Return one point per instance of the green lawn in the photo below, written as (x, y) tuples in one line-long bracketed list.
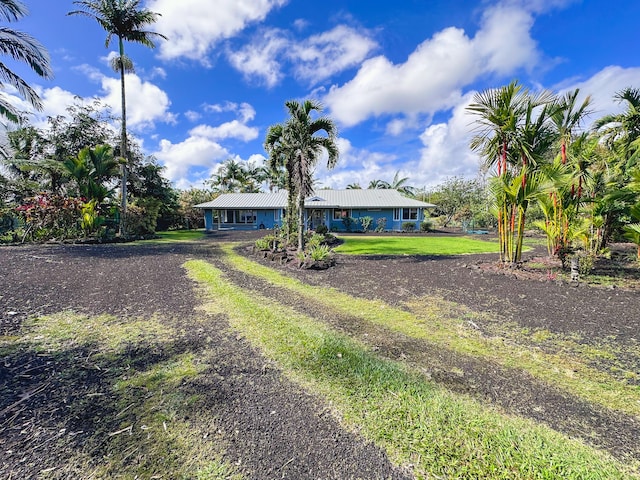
[(405, 245), (180, 235)]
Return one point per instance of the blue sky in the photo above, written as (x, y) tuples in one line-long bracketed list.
[(394, 76)]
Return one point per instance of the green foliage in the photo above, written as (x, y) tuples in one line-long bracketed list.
[(426, 226), (90, 220), (322, 229), (92, 169), (366, 223), (381, 224), (48, 217), (348, 223), (142, 217), (315, 240), (408, 227), (318, 253), (459, 199)]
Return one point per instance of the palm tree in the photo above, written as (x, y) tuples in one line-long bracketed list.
[(23, 48), (378, 184), (514, 132), (499, 113), (92, 169), (622, 131), (125, 20), (354, 186), (298, 144)]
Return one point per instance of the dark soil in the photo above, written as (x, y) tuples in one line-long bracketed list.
[(301, 440)]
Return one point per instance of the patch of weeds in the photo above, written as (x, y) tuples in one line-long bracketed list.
[(449, 325), (440, 433)]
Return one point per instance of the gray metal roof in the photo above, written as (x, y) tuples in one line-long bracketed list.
[(370, 198)]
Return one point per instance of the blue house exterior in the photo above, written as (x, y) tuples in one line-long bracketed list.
[(249, 211)]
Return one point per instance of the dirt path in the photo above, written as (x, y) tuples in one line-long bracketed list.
[(513, 390), (270, 427)]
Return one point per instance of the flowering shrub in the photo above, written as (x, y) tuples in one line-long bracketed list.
[(49, 217)]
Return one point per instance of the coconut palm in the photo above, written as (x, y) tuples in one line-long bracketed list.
[(125, 20), (298, 144), (23, 48)]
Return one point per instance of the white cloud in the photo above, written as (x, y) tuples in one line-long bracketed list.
[(192, 116), (313, 59), (146, 102), (258, 61), (445, 152), (355, 165), (323, 55), (602, 87), (433, 75), (244, 110), (195, 26), (232, 129), (181, 159)]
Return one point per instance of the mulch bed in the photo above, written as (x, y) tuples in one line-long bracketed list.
[(302, 441)]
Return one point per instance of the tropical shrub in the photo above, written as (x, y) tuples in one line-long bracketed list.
[(319, 253), (142, 216), (408, 227), (91, 220), (366, 223), (315, 240), (322, 229), (47, 217), (348, 223), (381, 224), (426, 226)]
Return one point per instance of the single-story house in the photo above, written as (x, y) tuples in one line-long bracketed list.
[(325, 207)]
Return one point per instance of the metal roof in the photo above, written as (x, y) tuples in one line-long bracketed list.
[(370, 198)]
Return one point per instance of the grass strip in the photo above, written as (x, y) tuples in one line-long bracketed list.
[(123, 377), (172, 236), (445, 323), (406, 245), (419, 423)]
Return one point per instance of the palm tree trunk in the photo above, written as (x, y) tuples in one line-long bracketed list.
[(123, 145), (300, 221)]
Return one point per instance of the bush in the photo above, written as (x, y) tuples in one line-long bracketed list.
[(381, 224), (426, 226), (47, 217), (315, 240), (319, 253), (408, 227), (366, 223), (348, 223), (142, 217), (322, 229)]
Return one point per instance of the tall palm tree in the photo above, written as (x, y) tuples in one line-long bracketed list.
[(125, 20), (499, 112), (298, 144), (23, 48), (514, 132)]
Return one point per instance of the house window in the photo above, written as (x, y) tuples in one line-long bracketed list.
[(405, 214), (239, 216), (276, 214), (340, 214)]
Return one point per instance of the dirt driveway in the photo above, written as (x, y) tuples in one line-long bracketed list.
[(304, 442)]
